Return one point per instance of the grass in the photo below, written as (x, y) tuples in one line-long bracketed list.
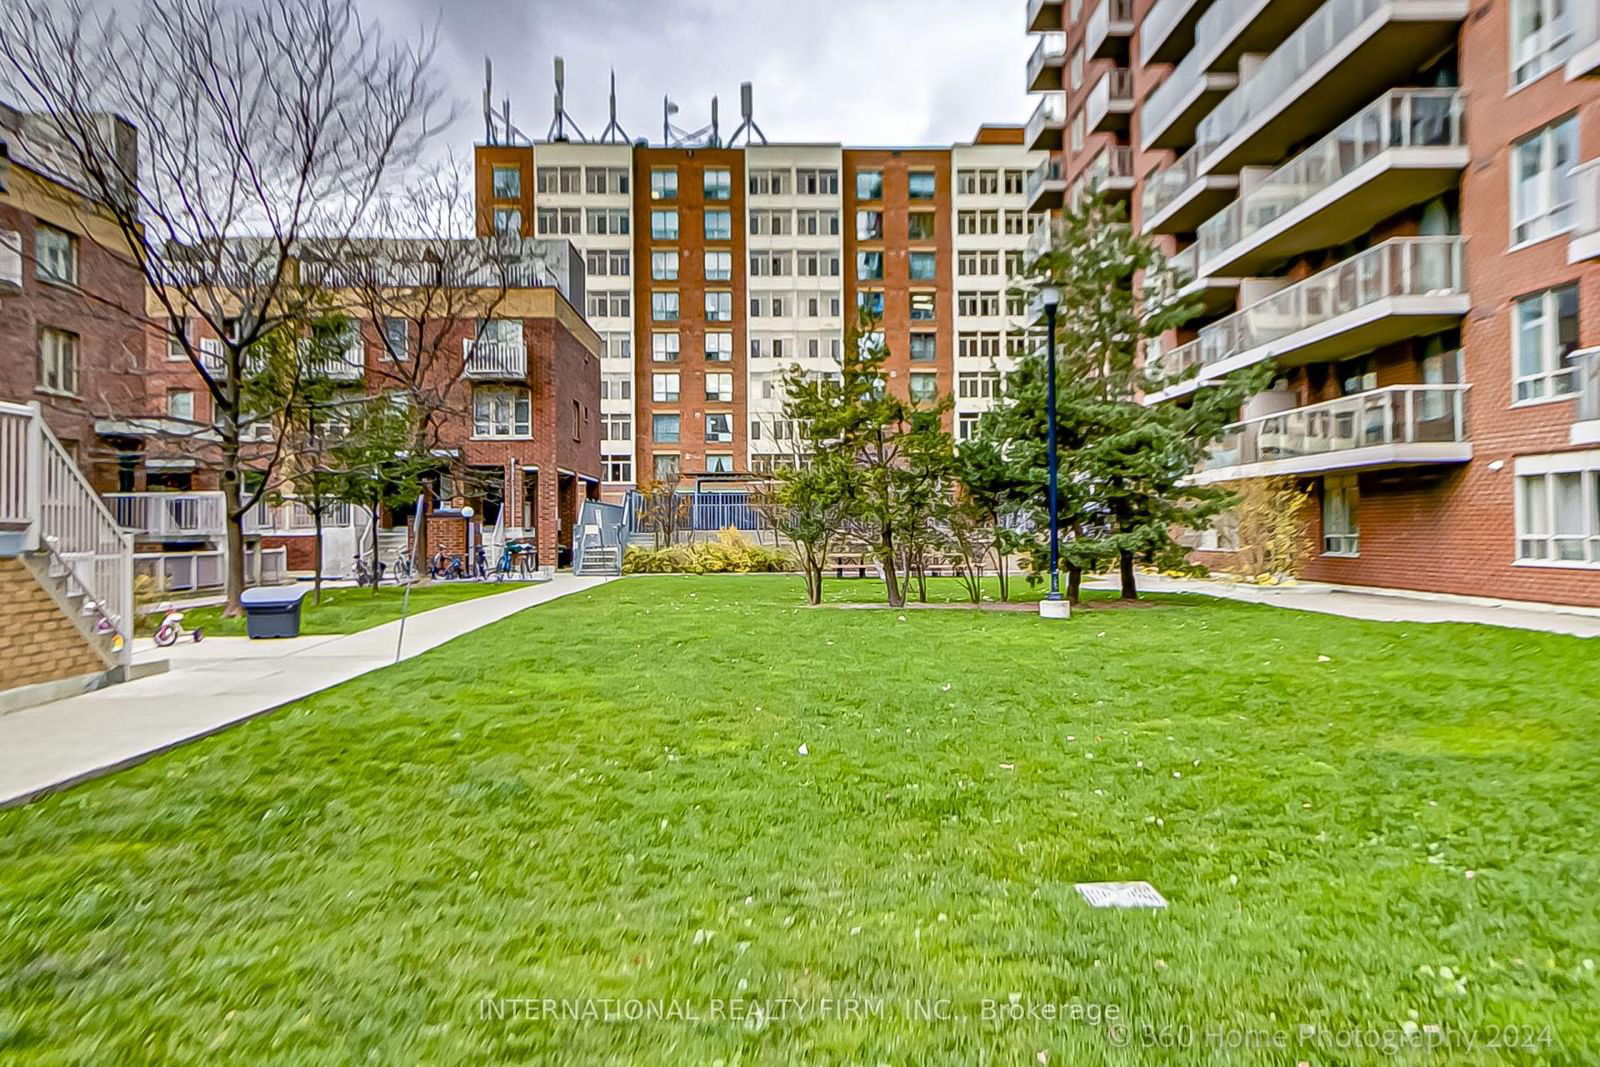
[(1360, 827), (348, 610)]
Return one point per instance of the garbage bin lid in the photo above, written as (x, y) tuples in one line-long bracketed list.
[(272, 596)]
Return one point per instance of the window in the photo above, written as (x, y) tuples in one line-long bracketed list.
[(719, 266), (664, 266), (719, 429), (869, 225), (664, 347), (920, 226), (619, 346), (1542, 187), (565, 221), (1541, 37), (719, 347), (769, 182), (1078, 131), (967, 425), (719, 463), (978, 385), (924, 388), (177, 334), (500, 411), (613, 303), (558, 180), (816, 182), (609, 220), (769, 223), (1341, 532), (980, 346), (972, 304), (507, 221), (664, 225), (58, 361), (924, 307), (666, 467), (920, 184), (664, 307), (871, 300), (619, 469), (616, 387), (180, 404), (55, 255), (817, 223), (719, 387), (924, 266), (664, 388), (604, 181), (924, 347), (664, 183), (1558, 513), (718, 184), (869, 266), (719, 307), (719, 225), (506, 183), (869, 185), (1015, 180), (1076, 71), (397, 338), (1546, 335), (664, 429)]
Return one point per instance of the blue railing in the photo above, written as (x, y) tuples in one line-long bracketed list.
[(705, 512)]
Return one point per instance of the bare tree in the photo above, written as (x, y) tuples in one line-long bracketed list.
[(430, 293), (254, 128)]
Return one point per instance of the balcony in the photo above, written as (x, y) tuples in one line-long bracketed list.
[(1109, 107), (1172, 112), (1109, 175), (1211, 292), (1586, 430), (1585, 240), (1047, 124), (1585, 61), (1402, 288), (1177, 198), (1045, 16), (1338, 59), (1109, 28), (1042, 237), (487, 358), (1404, 149), (1044, 65), (1047, 185), (1401, 426), (1231, 29), (170, 516), (1167, 34), (347, 366)]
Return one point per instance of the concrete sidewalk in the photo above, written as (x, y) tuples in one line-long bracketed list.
[(1383, 605), (219, 682)]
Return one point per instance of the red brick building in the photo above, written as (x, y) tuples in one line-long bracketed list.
[(1390, 203)]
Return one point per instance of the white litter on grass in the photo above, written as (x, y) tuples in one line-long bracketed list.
[(803, 750), (1121, 895)]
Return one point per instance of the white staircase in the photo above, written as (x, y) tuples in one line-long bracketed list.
[(58, 526)]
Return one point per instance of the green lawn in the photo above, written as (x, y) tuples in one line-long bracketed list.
[(1359, 826), (347, 610)]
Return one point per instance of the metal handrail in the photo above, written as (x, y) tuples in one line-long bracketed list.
[(1395, 415)]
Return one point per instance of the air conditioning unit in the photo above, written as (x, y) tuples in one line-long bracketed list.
[(10, 263)]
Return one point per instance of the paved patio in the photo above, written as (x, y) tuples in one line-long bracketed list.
[(217, 683)]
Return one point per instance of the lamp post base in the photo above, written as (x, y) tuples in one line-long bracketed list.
[(1055, 609)]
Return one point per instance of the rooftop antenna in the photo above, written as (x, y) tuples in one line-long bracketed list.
[(614, 133), (497, 127), (488, 100), (676, 137), (559, 124), (747, 109)]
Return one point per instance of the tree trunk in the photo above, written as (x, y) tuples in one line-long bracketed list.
[(316, 579), (420, 570), (813, 581), (922, 582), (1002, 569), (377, 503), (1130, 586), (233, 581), (1074, 582), (891, 582)]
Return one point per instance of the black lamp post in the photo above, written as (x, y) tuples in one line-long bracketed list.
[(1052, 606)]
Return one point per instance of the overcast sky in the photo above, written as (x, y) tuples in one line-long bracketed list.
[(858, 71)]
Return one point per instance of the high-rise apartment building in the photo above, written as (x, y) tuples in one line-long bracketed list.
[(712, 270), (1397, 203)]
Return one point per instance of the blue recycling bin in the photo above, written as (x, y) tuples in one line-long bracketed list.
[(274, 611)]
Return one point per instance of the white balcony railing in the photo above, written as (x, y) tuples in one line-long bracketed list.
[(296, 516), (171, 516), (1112, 94), (1404, 266), (347, 366), (1109, 169), (1215, 28), (494, 359), (1159, 22), (1164, 187), (1039, 18), (1588, 385), (1051, 51), (1381, 419), (1048, 172), (1586, 227), (1108, 17), (1585, 59), (1404, 118), (1042, 237), (1051, 114), (1270, 85)]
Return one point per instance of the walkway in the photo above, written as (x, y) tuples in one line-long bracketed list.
[(1385, 605), (217, 683)]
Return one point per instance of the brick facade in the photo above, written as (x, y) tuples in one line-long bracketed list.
[(38, 643)]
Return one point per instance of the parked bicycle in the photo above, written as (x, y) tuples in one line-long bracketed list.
[(364, 571)]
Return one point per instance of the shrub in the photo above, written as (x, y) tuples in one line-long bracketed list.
[(730, 553)]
